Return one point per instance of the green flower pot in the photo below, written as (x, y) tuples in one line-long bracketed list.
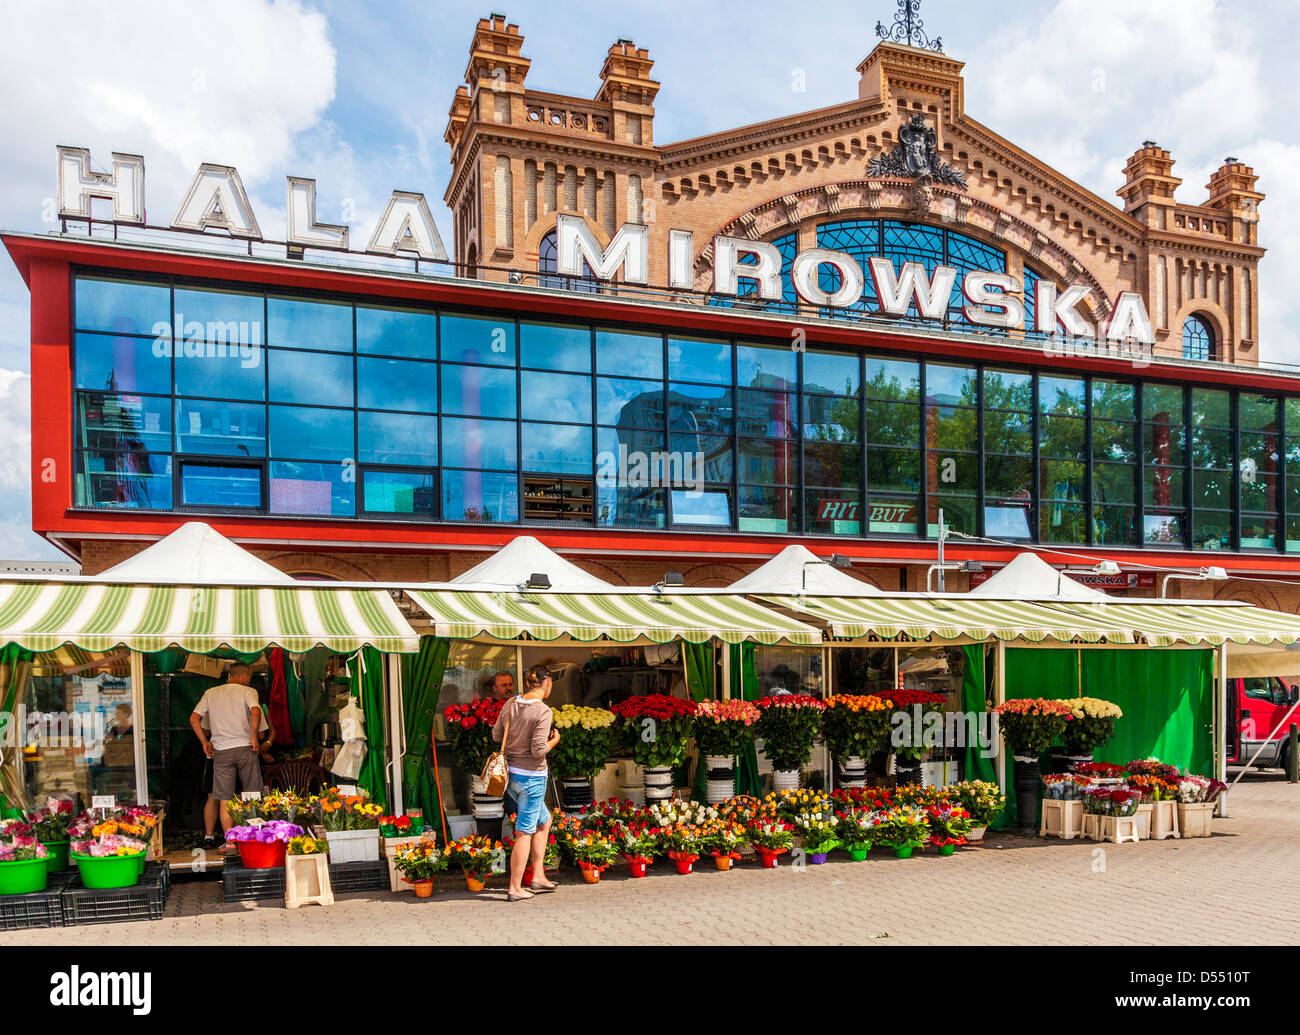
[(22, 878), (57, 860), (140, 863), (858, 854), (903, 852), (947, 849), (117, 871)]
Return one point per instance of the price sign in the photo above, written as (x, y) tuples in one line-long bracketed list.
[(103, 801), (347, 789), (250, 796)]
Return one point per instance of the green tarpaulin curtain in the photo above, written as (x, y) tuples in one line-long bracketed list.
[(744, 686), (975, 701), (1167, 697), (421, 684), (698, 661), (15, 663), (367, 670)]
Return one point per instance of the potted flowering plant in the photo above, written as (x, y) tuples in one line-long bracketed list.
[(1092, 725), (682, 844), (587, 737), (351, 823), (263, 844), (1196, 798), (109, 859), (722, 730), (468, 730), (770, 838), (305, 844), (24, 861), (903, 828), (818, 837), (637, 843), (909, 707), (477, 856), (949, 825), (857, 829), (592, 851), (419, 864), (1029, 727), (855, 726), (800, 803), (655, 729), (50, 826), (665, 814), (788, 725), (984, 801), (722, 840)]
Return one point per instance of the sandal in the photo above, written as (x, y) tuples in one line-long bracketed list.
[(543, 887), (512, 897)]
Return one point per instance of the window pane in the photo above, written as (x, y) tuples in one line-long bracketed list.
[(633, 403), (555, 347), (219, 316), (829, 463), (954, 472), (311, 377), (1063, 436), (1212, 490), (560, 397), (1259, 493), (1163, 444), (831, 418), (1061, 522), (479, 443), (1258, 533), (1211, 448), (764, 508), (311, 434), (894, 380), (712, 453), (557, 448), (1113, 441), (632, 355), (397, 384), (1210, 407), (1212, 530), (1260, 451), (124, 364), (1112, 400), (1163, 530), (1010, 432), (893, 424), (835, 512), (1006, 521), (708, 361), (474, 339), (328, 490), (710, 506), (1064, 479), (893, 470), (770, 461), (1061, 395), (125, 423), (1113, 483), (758, 367), (1008, 390), (397, 332), (212, 485), (956, 428), (399, 492), (124, 480), (768, 414), (958, 515), (628, 506), (613, 443), (478, 391), (830, 373), (297, 323), (220, 428), (397, 438), (232, 376), (1258, 412), (951, 385), (480, 496), (895, 516), (1114, 526), (1009, 476), (695, 409), (1163, 486), (1162, 404), (123, 307)]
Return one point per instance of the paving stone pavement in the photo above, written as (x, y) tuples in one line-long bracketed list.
[(1237, 887)]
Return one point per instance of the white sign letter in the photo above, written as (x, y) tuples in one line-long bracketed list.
[(407, 226), (300, 219), (728, 269), (1049, 310), (979, 291), (1130, 320), (681, 259), (124, 186), (806, 268), (216, 198), (897, 293), (629, 249)]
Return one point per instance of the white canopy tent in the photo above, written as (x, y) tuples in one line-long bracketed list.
[(1029, 577), (796, 570), (510, 567), (199, 555)]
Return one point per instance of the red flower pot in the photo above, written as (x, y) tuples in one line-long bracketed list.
[(685, 863), (258, 855), (637, 867), (768, 856)]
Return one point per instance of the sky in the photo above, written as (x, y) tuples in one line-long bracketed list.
[(355, 95)]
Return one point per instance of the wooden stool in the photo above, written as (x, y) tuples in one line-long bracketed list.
[(1164, 820), (1118, 829), (307, 880)]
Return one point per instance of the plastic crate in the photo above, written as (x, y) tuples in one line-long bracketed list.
[(359, 876), (38, 909), (243, 885), (145, 901)]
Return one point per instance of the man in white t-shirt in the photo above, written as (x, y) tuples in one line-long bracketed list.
[(233, 715)]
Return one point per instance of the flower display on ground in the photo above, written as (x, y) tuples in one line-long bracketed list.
[(1194, 790), (589, 849), (949, 824), (983, 799), (817, 835), (420, 861), (476, 855), (858, 827), (904, 826), (773, 835)]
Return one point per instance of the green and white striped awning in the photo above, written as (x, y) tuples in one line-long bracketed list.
[(1211, 625), (954, 619), (42, 616), (620, 617)]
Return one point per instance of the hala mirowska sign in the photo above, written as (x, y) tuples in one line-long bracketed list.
[(216, 200)]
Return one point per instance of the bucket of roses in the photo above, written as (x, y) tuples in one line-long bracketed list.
[(722, 730), (637, 843), (855, 727), (1092, 725), (904, 828), (771, 837), (655, 729), (907, 719), (789, 724)]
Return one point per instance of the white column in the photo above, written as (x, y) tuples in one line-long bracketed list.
[(1000, 696), (138, 722), (1220, 728), (726, 672)]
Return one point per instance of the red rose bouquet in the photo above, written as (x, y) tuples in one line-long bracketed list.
[(655, 728), (788, 725), (469, 731)]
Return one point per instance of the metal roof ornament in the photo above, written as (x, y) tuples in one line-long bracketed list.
[(909, 28)]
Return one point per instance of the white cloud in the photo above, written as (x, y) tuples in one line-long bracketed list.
[(17, 540)]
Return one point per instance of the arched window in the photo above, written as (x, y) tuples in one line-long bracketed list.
[(1198, 339), (548, 262)]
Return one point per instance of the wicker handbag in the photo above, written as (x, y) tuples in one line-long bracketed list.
[(496, 776)]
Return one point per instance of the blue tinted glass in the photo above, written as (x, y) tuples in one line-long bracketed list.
[(310, 377), (766, 368), (124, 422), (202, 369), (1064, 395), (476, 391), (397, 438), (555, 347), (310, 434), (951, 385), (298, 324), (479, 496), (397, 332), (829, 374), (128, 364), (708, 361), (563, 397), (212, 485), (479, 443), (220, 428), (893, 379), (630, 403), (223, 316), (631, 355), (614, 446), (399, 492), (122, 307), (770, 414), (140, 481), (696, 408), (473, 339), (557, 448), (701, 508), (396, 384), (325, 489)]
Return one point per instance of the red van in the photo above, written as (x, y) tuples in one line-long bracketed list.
[(1255, 706)]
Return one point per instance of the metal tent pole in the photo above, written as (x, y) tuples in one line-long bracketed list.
[(1221, 729), (396, 733), (999, 697)]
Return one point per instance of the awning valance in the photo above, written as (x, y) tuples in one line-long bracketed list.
[(955, 619), (620, 617), (41, 616), (1166, 624)]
